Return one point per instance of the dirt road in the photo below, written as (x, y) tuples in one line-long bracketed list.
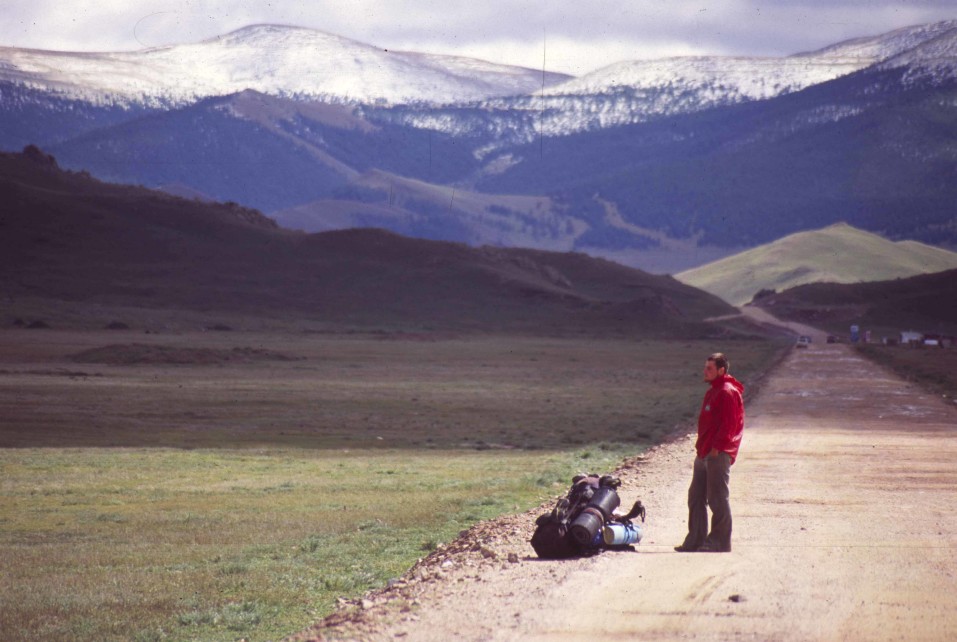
[(762, 317), (845, 528)]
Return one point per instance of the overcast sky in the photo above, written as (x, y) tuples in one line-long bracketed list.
[(573, 36)]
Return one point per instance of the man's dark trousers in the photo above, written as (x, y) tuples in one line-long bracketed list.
[(710, 487)]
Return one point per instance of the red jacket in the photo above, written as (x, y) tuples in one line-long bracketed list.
[(721, 421)]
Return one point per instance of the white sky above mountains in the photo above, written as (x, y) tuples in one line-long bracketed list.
[(571, 36)]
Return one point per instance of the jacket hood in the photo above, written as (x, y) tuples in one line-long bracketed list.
[(719, 381)]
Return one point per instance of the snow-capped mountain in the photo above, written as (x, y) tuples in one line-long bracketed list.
[(747, 78), (872, 49), (275, 60), (934, 59), (636, 91), (454, 95)]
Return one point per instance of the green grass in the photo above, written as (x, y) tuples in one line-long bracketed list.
[(160, 544), (479, 393), (836, 254), (215, 503)]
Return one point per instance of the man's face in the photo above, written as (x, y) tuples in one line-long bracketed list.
[(711, 371)]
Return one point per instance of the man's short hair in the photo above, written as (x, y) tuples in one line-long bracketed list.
[(720, 361)]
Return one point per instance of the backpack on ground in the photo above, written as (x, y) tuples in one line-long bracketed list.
[(583, 522)]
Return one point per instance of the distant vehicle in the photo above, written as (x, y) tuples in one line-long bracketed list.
[(803, 341), (832, 339)]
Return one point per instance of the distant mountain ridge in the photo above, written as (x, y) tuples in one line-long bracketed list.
[(836, 254), (272, 59), (635, 91), (871, 148), (308, 64), (657, 164)]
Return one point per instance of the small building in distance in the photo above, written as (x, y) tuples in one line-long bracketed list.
[(911, 338)]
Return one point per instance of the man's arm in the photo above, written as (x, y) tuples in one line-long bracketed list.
[(725, 418)]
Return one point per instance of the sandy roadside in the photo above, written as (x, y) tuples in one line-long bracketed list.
[(844, 528)]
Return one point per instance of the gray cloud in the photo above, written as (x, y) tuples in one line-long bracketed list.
[(572, 36)]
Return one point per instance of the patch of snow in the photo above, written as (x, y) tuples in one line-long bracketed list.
[(712, 77), (276, 60), (934, 59), (636, 91)]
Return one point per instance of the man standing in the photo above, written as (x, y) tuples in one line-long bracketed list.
[(720, 425)]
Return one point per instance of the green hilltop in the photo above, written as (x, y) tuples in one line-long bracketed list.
[(835, 254)]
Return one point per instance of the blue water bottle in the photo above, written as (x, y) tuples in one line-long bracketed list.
[(616, 534)]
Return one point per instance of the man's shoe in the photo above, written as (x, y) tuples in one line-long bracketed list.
[(686, 549), (710, 548)]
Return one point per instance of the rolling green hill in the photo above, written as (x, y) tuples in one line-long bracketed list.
[(836, 254)]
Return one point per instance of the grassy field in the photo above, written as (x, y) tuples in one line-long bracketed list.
[(220, 486)]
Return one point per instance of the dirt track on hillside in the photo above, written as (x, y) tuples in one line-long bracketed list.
[(844, 529)]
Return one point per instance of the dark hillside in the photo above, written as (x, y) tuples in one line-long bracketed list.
[(33, 116), (69, 238), (925, 303), (209, 149), (264, 152)]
